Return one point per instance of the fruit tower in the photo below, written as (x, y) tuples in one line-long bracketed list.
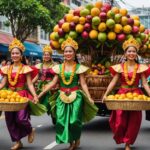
[(100, 30)]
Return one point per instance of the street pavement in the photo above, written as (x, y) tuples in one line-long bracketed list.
[(96, 135)]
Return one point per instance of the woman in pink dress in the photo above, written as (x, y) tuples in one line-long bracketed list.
[(126, 124), (17, 78)]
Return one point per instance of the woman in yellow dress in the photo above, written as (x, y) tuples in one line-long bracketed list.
[(126, 124), (71, 105), (17, 77)]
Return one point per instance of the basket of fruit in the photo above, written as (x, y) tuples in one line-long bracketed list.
[(128, 101), (12, 101)]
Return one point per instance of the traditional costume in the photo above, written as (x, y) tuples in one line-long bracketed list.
[(126, 124), (45, 76), (18, 123), (70, 105)]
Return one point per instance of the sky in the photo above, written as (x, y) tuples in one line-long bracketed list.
[(134, 3)]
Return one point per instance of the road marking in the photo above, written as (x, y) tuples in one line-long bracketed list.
[(52, 145), (40, 125)]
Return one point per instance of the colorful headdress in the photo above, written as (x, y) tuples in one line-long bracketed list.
[(47, 48), (16, 43), (69, 42), (131, 42)]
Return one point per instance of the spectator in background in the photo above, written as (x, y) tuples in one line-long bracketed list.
[(3, 63), (37, 61), (8, 62)]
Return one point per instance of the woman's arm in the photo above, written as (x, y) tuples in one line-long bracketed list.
[(35, 78), (145, 84), (85, 88), (3, 82), (49, 86), (111, 86), (31, 87)]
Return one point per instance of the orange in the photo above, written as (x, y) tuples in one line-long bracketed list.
[(69, 17), (123, 11), (135, 94), (142, 28), (76, 19), (82, 20), (66, 27), (95, 11), (99, 4), (93, 34), (111, 35), (111, 97), (115, 10), (79, 28), (56, 28)]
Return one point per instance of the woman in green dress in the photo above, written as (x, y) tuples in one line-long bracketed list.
[(73, 106), (45, 76)]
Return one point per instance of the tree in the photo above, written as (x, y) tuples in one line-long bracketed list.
[(24, 16)]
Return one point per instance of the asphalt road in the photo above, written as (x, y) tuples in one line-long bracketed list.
[(96, 135)]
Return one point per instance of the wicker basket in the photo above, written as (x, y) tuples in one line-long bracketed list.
[(127, 105), (12, 106), (98, 80)]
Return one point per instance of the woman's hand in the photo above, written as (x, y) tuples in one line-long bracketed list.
[(103, 99), (40, 95), (91, 100), (35, 99)]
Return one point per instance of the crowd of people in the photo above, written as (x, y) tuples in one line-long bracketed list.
[(71, 104)]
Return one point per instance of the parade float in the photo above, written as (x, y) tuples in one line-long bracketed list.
[(12, 101), (100, 30)]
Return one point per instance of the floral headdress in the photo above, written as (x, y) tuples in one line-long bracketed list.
[(69, 42), (16, 43), (47, 48), (131, 42)]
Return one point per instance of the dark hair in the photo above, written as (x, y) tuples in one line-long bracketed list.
[(76, 59)]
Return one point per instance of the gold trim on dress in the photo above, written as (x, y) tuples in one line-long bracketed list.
[(142, 68), (82, 69), (68, 98), (56, 69), (117, 68)]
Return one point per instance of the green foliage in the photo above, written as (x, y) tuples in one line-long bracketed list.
[(25, 15)]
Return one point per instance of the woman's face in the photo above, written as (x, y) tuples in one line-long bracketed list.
[(131, 53), (16, 55), (46, 56), (69, 53)]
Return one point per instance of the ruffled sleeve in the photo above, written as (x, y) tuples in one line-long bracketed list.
[(26, 69), (144, 69), (56, 69), (4, 70), (116, 69), (82, 69), (38, 66)]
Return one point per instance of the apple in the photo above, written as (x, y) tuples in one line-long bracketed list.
[(135, 29), (103, 16), (89, 18), (96, 20), (121, 37), (130, 21), (85, 35), (61, 32), (72, 25), (61, 22), (87, 27), (107, 6), (76, 12), (117, 18)]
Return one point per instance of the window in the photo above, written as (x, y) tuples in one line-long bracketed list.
[(43, 35)]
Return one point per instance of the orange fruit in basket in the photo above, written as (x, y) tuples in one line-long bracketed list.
[(117, 96), (111, 97), (144, 97), (135, 94), (140, 97), (12, 100), (3, 95), (148, 98), (6, 100), (22, 100)]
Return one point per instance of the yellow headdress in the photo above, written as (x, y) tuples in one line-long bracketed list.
[(131, 42), (47, 48), (69, 42), (16, 43)]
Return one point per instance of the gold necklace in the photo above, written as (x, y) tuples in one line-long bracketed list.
[(11, 82), (71, 76), (130, 82)]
